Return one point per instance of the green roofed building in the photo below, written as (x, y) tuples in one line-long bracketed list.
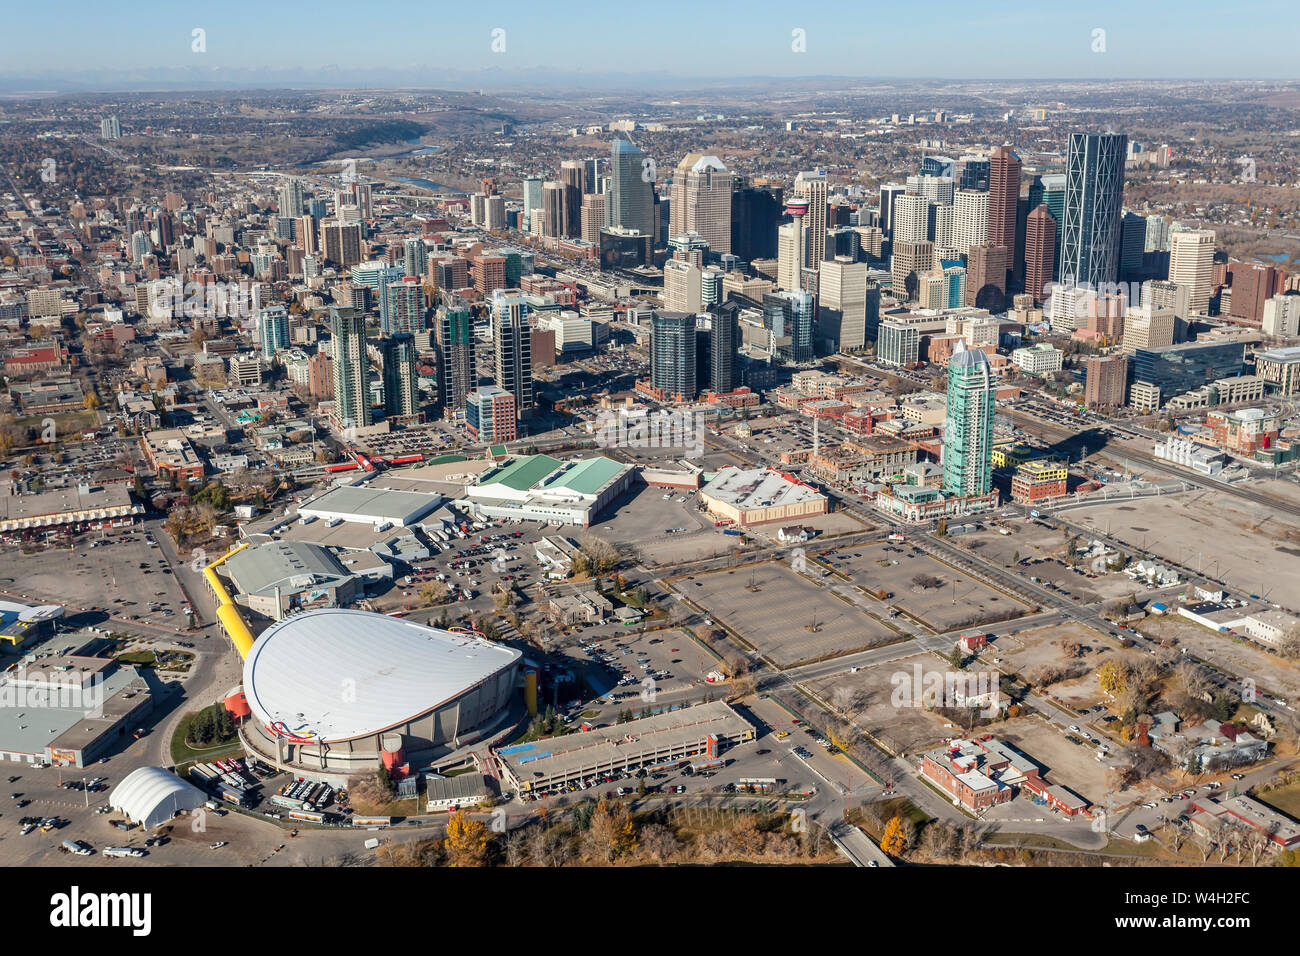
[(542, 488)]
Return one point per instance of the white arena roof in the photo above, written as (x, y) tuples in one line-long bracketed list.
[(338, 674)]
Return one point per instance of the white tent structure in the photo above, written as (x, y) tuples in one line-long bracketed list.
[(150, 796)]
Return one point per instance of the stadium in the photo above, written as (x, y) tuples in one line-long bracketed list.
[(333, 692)]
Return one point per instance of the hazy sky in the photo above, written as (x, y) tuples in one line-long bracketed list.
[(702, 38)]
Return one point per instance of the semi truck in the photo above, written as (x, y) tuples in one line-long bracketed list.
[(123, 851)]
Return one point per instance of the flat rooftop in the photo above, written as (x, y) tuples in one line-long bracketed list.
[(66, 718), (563, 756), (368, 504), (757, 488)]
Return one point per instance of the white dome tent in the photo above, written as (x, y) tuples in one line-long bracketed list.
[(150, 796)]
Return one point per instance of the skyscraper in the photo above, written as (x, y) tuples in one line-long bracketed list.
[(968, 431), (290, 197), (414, 257), (110, 128), (273, 329), (911, 218), (404, 306), (342, 243), (723, 335), (573, 174), (457, 376), (788, 316), (970, 219), (889, 194), (630, 200), (1191, 264), (593, 217), (512, 347), (672, 355), (812, 186), (986, 276), (555, 209), (1040, 251), (701, 201), (842, 305), (1132, 242), (683, 286), (401, 379), (1004, 195), (532, 200), (755, 213), (1094, 199), (351, 368)]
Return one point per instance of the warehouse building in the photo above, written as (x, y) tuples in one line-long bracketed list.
[(759, 496), (70, 711), (279, 577), (365, 504), (541, 488), (83, 508)]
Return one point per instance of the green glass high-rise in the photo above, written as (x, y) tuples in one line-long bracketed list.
[(968, 432)]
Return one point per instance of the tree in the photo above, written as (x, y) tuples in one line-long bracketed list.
[(894, 842), (659, 842), (467, 840), (611, 831)]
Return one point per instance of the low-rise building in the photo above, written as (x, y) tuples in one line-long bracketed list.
[(760, 495), (1039, 482)]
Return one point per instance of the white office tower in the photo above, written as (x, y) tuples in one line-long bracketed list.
[(842, 304), (110, 128), (291, 198), (912, 219), (937, 189), (1191, 264), (478, 209), (701, 201), (812, 187), (945, 247), (970, 215), (683, 287), (1282, 317)]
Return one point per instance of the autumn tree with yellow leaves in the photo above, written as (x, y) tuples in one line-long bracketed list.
[(894, 841), (467, 841)]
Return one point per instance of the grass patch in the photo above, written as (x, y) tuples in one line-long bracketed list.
[(1285, 798), (183, 751), (397, 808), (138, 658)]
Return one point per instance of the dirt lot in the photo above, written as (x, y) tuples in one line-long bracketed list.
[(910, 730), (1247, 546), (1032, 541), (956, 602), (1030, 651), (775, 616), (1071, 765)]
